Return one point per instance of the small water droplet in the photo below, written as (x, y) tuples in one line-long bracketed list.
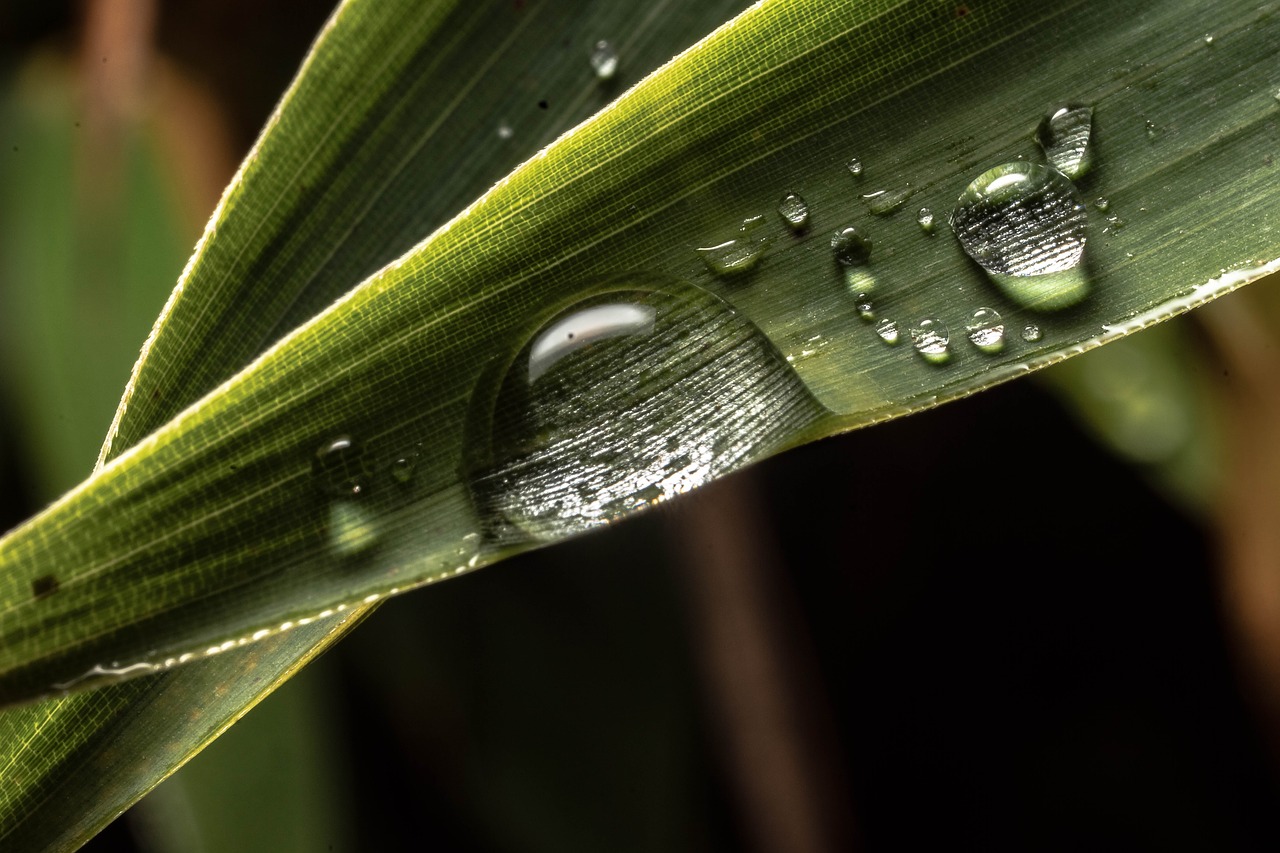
[(794, 211), (404, 467), (1208, 39), (738, 254), (1031, 333), (851, 246), (1152, 130), (925, 220), (340, 469), (885, 202), (931, 339), (660, 387), (1064, 135), (888, 331), (866, 312), (1025, 225), (505, 131), (986, 330), (1115, 223), (604, 60), (1102, 203), (855, 167)]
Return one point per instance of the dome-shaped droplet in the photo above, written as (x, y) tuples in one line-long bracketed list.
[(885, 202), (404, 467), (888, 331), (1064, 134), (340, 468), (931, 339), (925, 220), (1026, 224), (625, 400), (794, 211), (739, 253), (855, 167), (851, 246), (1031, 333), (1102, 203), (604, 60), (866, 311), (986, 330)]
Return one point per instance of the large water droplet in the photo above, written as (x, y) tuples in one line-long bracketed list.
[(885, 202), (794, 211), (740, 253), (340, 468), (1064, 135), (1026, 224), (986, 330), (628, 399), (851, 246), (604, 60), (931, 339)]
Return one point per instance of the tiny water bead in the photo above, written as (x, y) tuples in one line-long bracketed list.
[(866, 312), (885, 202), (740, 253), (932, 340), (1102, 203), (604, 60), (505, 131), (986, 330), (1031, 333), (794, 211), (404, 467), (925, 220), (888, 331), (1064, 134), (1025, 225), (340, 468), (854, 166), (631, 397)]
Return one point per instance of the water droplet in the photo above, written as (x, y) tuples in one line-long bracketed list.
[(340, 469), (738, 254), (794, 211), (885, 202), (352, 528), (505, 131), (1115, 223), (888, 331), (1031, 333), (404, 467), (1208, 39), (855, 167), (1152, 130), (604, 60), (1064, 135), (925, 220), (631, 397), (1102, 203), (986, 330), (866, 312), (931, 339), (1025, 224), (851, 246)]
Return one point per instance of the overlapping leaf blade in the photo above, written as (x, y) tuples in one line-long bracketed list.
[(65, 761)]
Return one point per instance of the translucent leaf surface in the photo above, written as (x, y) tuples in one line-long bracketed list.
[(214, 529)]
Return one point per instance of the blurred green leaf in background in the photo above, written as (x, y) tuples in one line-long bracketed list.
[(971, 613)]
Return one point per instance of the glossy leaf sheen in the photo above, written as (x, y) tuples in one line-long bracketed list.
[(212, 528)]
